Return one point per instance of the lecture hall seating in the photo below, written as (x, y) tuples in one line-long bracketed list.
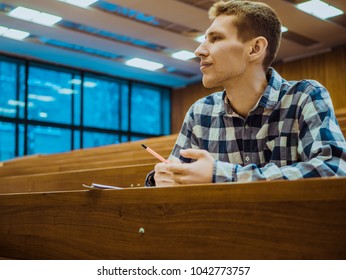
[(124, 165), (303, 219), (46, 213)]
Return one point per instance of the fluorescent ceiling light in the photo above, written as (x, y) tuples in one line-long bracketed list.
[(200, 39), (34, 16), (86, 84), (43, 115), (13, 33), (66, 91), (183, 55), (283, 29), (7, 111), (80, 3), (319, 9), (3, 30), (13, 102), (75, 81), (89, 84), (144, 64), (43, 98), (24, 13), (47, 19)]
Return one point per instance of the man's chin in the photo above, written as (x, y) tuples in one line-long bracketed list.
[(208, 83)]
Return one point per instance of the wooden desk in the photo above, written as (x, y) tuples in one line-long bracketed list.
[(304, 219), (122, 176)]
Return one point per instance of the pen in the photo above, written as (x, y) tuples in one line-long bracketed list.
[(155, 154)]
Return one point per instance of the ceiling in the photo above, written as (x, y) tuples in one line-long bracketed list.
[(100, 38)]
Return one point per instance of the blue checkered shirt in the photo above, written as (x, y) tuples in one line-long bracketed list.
[(291, 133)]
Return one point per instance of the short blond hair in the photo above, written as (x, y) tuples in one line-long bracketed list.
[(253, 19)]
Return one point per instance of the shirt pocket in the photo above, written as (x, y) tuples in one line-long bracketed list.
[(276, 151)]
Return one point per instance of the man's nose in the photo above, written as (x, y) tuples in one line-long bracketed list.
[(201, 51)]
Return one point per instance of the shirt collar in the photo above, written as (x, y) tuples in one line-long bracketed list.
[(271, 94)]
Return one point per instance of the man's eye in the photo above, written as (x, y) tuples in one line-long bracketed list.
[(215, 38)]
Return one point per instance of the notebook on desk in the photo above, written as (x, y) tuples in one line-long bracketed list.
[(101, 187)]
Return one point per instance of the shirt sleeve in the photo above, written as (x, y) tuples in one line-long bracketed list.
[(186, 138), (321, 147)]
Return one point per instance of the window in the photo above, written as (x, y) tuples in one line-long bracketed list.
[(7, 140), (51, 94), (147, 112), (102, 103), (49, 109), (46, 140), (95, 139), (12, 90)]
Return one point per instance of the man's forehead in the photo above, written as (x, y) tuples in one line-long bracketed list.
[(221, 24)]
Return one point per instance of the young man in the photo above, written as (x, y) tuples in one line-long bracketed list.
[(261, 127)]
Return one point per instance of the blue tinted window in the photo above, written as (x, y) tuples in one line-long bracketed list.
[(102, 107), (21, 139), (166, 112), (46, 140), (95, 139), (7, 140), (50, 95), (124, 107), (76, 140), (145, 109), (50, 108), (124, 138), (11, 95), (135, 138), (76, 98)]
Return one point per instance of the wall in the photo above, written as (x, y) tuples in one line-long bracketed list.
[(328, 68)]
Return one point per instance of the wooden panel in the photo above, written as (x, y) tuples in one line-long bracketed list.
[(304, 219), (328, 68), (91, 153), (69, 163), (122, 176), (99, 157)]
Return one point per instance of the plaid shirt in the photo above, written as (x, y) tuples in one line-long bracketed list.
[(291, 133)]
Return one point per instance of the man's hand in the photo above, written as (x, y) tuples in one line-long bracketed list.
[(163, 175), (200, 171)]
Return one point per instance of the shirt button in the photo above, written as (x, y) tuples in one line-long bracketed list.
[(247, 158)]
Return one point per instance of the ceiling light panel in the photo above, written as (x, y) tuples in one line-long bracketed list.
[(24, 13), (13, 33), (319, 9), (79, 3), (284, 29), (200, 39), (183, 55), (47, 19), (144, 64), (34, 16)]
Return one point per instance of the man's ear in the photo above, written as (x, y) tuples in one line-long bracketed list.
[(258, 48)]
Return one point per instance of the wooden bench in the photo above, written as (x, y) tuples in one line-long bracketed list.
[(123, 165), (107, 156), (119, 159), (156, 142), (122, 176), (304, 219)]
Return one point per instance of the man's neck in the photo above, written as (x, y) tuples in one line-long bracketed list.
[(244, 93)]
